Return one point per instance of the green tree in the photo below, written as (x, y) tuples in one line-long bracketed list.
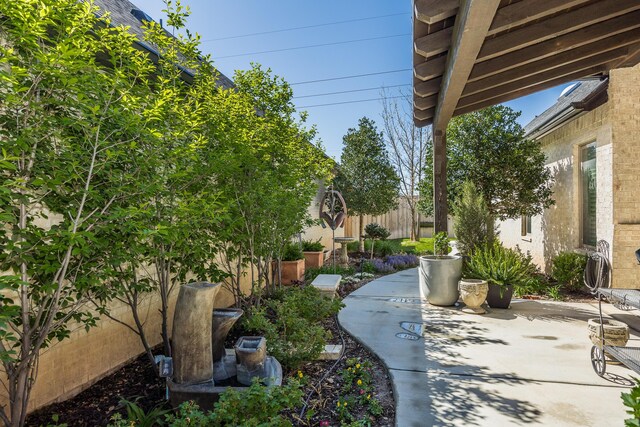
[(366, 178), (73, 92), (170, 235), (268, 174), (488, 147), (472, 220)]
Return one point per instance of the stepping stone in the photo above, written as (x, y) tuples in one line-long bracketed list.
[(327, 284), (331, 352)]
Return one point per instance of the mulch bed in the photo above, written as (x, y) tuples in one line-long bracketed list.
[(137, 381)]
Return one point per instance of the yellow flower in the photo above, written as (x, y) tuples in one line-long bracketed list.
[(300, 375), (368, 396), (359, 382), (338, 404), (357, 365), (344, 404)]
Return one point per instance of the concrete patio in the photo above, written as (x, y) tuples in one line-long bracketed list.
[(529, 364)]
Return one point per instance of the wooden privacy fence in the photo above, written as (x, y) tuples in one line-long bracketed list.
[(398, 222)]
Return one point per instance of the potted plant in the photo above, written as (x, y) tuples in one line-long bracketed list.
[(440, 273), (503, 268), (313, 253), (291, 264)]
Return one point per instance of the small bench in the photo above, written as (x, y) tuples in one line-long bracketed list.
[(327, 284)]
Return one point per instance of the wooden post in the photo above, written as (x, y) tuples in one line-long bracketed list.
[(440, 207)]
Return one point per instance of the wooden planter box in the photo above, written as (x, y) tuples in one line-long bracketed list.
[(291, 271), (313, 259)]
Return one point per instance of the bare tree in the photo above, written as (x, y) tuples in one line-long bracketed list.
[(407, 149)]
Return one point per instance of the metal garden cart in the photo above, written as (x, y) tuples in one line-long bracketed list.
[(597, 278)]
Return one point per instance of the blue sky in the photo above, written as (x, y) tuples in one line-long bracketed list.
[(390, 51)]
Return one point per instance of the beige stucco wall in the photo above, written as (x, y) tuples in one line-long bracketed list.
[(615, 127)]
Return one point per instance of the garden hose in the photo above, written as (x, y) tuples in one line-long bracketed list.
[(313, 390)]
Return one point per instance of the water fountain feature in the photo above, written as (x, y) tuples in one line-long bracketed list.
[(202, 367)]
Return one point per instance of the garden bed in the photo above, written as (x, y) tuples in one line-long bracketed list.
[(322, 388)]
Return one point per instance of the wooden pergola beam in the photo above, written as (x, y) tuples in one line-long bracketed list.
[(427, 88), (554, 27), (578, 59), (430, 69), (434, 43), (421, 123), (573, 40), (472, 23), (632, 58), (432, 11), (499, 98), (425, 103), (469, 31), (523, 12), (424, 114), (585, 67)]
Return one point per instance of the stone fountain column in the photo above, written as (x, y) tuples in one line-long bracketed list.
[(222, 320), (191, 339)]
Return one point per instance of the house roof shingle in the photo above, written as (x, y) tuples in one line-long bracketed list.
[(121, 14), (562, 110)]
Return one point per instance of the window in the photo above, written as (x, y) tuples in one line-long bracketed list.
[(525, 225), (588, 186), (142, 17)]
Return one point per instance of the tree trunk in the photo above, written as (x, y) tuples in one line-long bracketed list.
[(21, 397), (414, 234), (361, 233), (491, 227)]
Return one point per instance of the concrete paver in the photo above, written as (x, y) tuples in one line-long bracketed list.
[(526, 365)]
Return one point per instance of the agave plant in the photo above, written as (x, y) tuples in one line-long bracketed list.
[(499, 265)]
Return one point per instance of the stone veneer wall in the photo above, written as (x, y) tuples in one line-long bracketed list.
[(624, 97)]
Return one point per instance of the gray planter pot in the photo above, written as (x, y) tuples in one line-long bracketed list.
[(439, 278)]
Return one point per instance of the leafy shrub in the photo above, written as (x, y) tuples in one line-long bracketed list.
[(356, 278), (382, 267), (538, 284), (568, 269), (138, 417), (311, 246), (472, 221), (385, 248), (441, 244), (312, 273), (292, 252), (376, 232), (632, 401), (256, 406), (500, 266), (399, 262), (290, 321), (367, 267), (357, 392)]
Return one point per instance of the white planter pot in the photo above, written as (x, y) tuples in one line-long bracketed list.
[(439, 276)]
